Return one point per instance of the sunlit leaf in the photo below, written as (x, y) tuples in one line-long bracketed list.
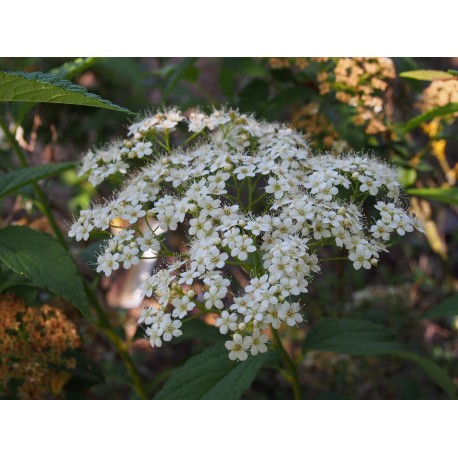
[(427, 75), (42, 87), (445, 195), (431, 114), (67, 71)]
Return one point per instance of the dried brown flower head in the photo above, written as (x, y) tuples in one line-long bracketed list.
[(32, 343)]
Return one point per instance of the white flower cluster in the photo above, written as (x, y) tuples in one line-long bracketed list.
[(253, 206)]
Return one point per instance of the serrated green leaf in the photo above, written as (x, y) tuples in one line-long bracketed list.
[(445, 195), (351, 337), (212, 375), (360, 337), (448, 307), (432, 369), (450, 108), (67, 71), (13, 181), (41, 259), (42, 87), (426, 75)]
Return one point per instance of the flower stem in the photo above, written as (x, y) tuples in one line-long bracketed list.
[(334, 259), (104, 323), (290, 366)]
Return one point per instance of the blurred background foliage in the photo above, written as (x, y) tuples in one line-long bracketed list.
[(380, 105)]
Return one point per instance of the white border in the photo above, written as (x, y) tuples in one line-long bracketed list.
[(221, 429), (208, 28)]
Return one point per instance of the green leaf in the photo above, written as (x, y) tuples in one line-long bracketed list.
[(360, 337), (445, 195), (13, 181), (453, 72), (177, 74), (198, 329), (450, 108), (448, 307), (427, 75), (432, 369), (67, 71), (212, 375), (10, 279), (42, 87), (41, 259), (254, 96), (351, 337)]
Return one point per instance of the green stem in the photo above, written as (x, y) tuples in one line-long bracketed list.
[(290, 366), (258, 199), (104, 322), (44, 203), (102, 317)]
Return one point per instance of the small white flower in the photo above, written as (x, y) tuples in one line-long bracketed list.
[(226, 322), (182, 305), (237, 347), (154, 333), (242, 248), (257, 342)]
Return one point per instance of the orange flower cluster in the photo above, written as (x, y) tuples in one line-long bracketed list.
[(32, 343), (438, 94), (359, 82)]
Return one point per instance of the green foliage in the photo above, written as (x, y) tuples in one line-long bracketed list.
[(73, 68), (360, 337), (448, 109), (67, 71), (212, 375), (274, 94), (42, 87), (445, 195), (198, 329), (351, 337), (177, 74), (448, 307), (14, 181), (42, 260), (427, 75), (10, 280), (432, 369)]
